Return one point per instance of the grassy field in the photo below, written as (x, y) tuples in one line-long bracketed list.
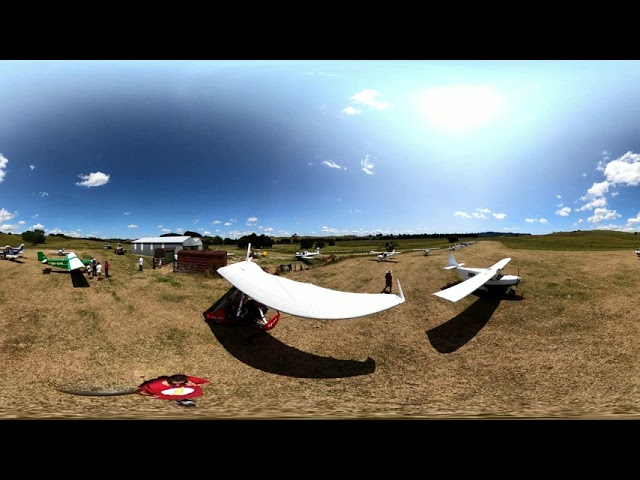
[(564, 346)]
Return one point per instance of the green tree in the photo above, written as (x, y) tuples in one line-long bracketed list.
[(33, 236), (306, 243)]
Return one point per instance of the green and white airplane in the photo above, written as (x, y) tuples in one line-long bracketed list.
[(70, 262)]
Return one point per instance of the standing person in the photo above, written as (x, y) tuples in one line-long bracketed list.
[(99, 271), (154, 263), (106, 269), (180, 388), (94, 264), (89, 270), (140, 262), (388, 278)]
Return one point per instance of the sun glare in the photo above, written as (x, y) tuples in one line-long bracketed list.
[(458, 109)]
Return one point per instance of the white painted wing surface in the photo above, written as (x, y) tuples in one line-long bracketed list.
[(461, 290), (74, 262), (305, 299)]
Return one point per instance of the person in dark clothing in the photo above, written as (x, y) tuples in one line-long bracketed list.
[(388, 278)]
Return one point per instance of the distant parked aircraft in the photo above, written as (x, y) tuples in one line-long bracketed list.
[(306, 255), (475, 278), (11, 253), (384, 256), (426, 251)]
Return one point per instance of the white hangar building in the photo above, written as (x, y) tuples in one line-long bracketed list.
[(147, 246)]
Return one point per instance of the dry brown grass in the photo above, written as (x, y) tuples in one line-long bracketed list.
[(565, 346)]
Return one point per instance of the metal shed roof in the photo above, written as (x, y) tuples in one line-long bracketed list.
[(180, 240)]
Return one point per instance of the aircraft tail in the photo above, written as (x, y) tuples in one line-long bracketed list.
[(453, 263), (42, 257)]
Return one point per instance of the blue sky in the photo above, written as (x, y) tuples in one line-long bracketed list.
[(129, 149)]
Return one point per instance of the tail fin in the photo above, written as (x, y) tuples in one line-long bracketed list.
[(42, 257), (453, 263), (21, 248)]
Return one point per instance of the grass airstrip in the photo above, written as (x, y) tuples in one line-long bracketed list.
[(565, 346)]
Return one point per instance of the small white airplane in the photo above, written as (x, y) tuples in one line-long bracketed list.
[(60, 252), (426, 251), (11, 253), (384, 256), (306, 255), (255, 291), (638, 251), (475, 278)]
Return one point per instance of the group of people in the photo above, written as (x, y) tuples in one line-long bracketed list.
[(94, 269)]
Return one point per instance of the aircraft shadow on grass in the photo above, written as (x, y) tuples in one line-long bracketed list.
[(458, 331), (78, 280), (259, 349)]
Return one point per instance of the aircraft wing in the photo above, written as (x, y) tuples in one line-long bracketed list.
[(74, 261), (461, 290), (305, 299)]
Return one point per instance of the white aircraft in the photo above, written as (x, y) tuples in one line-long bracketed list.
[(384, 256), (475, 278), (638, 252), (60, 252), (306, 255), (255, 291), (11, 253), (427, 251)]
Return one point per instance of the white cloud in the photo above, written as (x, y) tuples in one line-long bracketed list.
[(132, 226), (601, 214), (563, 212), (96, 179), (3, 165), (598, 189), (368, 97), (624, 171), (32, 167), (500, 216), (598, 202), (351, 111), (5, 215), (332, 164), (634, 221), (461, 214), (367, 166)]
